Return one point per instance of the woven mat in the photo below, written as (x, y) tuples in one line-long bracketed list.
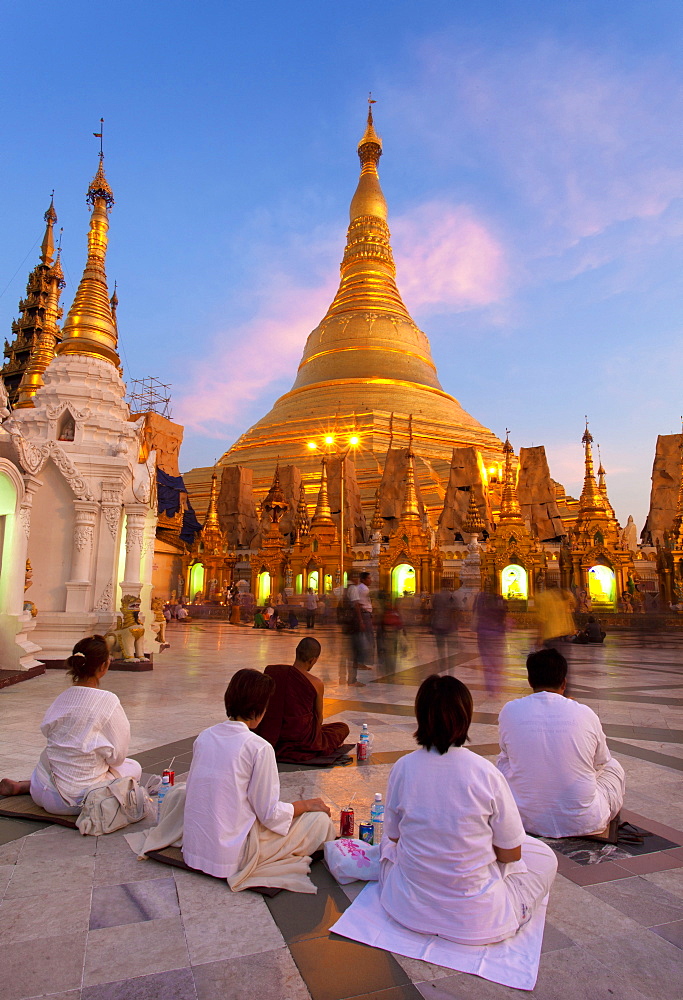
[(23, 807)]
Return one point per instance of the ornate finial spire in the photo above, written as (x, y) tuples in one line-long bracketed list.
[(391, 430), (114, 303), (411, 508), (212, 523), (591, 500), (44, 349), (369, 199), (47, 247), (377, 523), (323, 514), (510, 512), (410, 435), (90, 328), (473, 523), (370, 139), (274, 502), (302, 522)]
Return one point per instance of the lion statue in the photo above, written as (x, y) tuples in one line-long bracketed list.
[(159, 623), (129, 633)]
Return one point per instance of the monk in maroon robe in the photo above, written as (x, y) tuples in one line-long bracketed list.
[(293, 723)]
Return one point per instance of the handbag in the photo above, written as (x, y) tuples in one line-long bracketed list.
[(111, 806)]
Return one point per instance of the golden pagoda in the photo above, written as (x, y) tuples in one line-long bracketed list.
[(597, 562), (90, 328), (366, 359), (36, 332)]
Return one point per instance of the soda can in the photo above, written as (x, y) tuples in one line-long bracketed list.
[(346, 824), (365, 831), (362, 750), (171, 776)]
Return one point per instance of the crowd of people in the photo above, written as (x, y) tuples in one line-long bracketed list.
[(461, 856)]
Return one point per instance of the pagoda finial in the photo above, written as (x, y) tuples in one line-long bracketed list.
[(302, 522), (391, 430), (410, 435), (411, 508), (44, 350), (369, 199), (473, 523), (212, 523), (47, 247), (323, 514), (377, 523), (591, 501), (274, 502), (510, 512), (90, 328)]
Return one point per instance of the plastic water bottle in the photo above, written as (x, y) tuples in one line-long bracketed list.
[(364, 743), (377, 818), (161, 794)]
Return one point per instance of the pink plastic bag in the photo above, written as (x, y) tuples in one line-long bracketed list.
[(349, 859)]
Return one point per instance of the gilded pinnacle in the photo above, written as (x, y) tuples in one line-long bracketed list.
[(473, 523), (47, 247), (212, 523), (411, 509), (90, 328), (323, 514), (510, 511), (302, 522), (591, 501)]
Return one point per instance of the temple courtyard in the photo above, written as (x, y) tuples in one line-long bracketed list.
[(81, 917)]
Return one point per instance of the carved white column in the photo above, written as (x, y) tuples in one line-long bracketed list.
[(78, 587), (135, 525)]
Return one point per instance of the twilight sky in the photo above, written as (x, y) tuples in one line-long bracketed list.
[(533, 166)]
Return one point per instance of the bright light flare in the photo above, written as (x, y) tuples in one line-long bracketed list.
[(329, 439), (311, 445), (353, 441)]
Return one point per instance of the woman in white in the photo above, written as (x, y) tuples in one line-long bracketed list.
[(235, 826), (455, 859), (87, 736)]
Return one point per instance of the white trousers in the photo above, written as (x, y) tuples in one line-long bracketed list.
[(611, 782), (527, 889), (44, 791), (282, 862)]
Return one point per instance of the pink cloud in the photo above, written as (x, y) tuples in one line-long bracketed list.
[(245, 361), (448, 259)]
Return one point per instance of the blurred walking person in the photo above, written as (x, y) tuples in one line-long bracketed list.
[(444, 620), (490, 625)]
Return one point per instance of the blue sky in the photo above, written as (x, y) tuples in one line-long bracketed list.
[(533, 166)]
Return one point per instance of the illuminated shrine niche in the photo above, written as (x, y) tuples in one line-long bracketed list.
[(196, 580), (402, 580), (514, 584), (313, 580), (602, 585), (263, 586)]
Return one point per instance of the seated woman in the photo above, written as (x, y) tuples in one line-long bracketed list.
[(87, 737), (455, 858), (235, 826)]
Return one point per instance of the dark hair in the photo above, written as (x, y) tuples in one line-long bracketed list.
[(308, 649), (443, 709), (547, 668), (87, 657), (364, 576), (248, 694)]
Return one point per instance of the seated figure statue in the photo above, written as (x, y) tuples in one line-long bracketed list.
[(293, 723), (554, 755)]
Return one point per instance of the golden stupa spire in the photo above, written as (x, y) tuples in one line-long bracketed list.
[(212, 523), (377, 523), (510, 512), (473, 523), (47, 247), (44, 351), (591, 501), (89, 328), (323, 514), (302, 522), (602, 486), (411, 509), (367, 331)]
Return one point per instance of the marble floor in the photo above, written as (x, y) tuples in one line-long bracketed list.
[(82, 918)]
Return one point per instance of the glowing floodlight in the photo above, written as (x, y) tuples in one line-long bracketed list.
[(353, 441), (329, 439), (311, 445)]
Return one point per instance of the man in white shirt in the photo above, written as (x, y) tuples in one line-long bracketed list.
[(554, 755)]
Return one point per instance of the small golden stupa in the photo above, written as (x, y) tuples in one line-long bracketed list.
[(365, 360)]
